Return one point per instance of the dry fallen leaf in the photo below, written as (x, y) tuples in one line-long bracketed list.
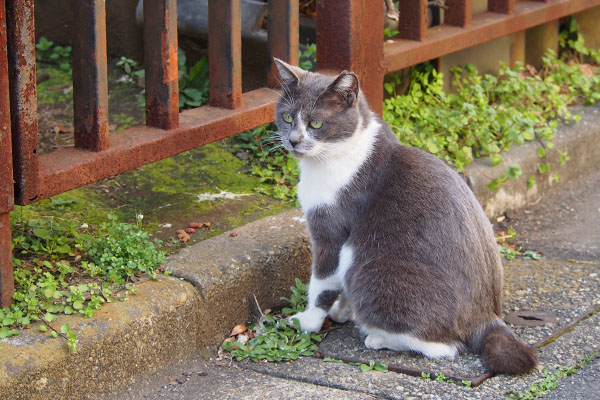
[(183, 236), (199, 224), (241, 328), (190, 230)]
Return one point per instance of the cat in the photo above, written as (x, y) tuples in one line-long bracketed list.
[(400, 244)]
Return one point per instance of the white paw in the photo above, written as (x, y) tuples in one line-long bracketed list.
[(375, 342), (310, 320)]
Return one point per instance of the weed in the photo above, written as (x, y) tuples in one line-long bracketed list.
[(390, 33), (488, 115), (549, 381), (62, 268), (308, 57), (510, 253), (193, 83), (124, 251), (371, 366), (47, 52), (275, 339), (573, 45)]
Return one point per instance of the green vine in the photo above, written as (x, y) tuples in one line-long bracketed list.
[(486, 115)]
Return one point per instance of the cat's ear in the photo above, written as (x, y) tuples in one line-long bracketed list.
[(345, 87), (289, 73)]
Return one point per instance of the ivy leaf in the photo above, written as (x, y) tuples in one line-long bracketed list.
[(531, 182), (541, 152), (544, 168), (514, 171), (496, 159)]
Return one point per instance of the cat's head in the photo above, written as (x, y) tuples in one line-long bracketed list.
[(316, 111)]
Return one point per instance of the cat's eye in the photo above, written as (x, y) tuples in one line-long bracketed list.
[(286, 117), (316, 124)]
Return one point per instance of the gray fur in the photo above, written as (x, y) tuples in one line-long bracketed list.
[(425, 257)]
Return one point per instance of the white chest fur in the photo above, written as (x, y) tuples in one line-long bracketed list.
[(322, 178)]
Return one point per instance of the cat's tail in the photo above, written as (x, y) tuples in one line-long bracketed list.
[(503, 352)]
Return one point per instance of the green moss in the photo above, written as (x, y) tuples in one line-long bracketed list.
[(58, 89), (169, 194)]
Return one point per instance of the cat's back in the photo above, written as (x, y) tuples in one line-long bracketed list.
[(424, 209)]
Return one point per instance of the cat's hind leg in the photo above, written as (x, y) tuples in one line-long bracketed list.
[(380, 339)]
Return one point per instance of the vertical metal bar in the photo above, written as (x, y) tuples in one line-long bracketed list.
[(501, 6), (225, 53), (20, 29), (283, 36), (413, 19), (7, 288), (90, 80), (6, 173), (350, 36), (458, 12), (160, 61)]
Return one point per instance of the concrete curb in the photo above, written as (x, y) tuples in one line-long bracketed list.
[(171, 318), (122, 340), (580, 141)]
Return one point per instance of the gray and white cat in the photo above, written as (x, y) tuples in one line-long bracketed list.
[(400, 244)]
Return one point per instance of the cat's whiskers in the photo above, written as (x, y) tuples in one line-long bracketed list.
[(274, 148)]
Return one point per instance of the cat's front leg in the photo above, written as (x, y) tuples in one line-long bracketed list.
[(322, 293)]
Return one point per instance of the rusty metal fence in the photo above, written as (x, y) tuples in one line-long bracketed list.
[(349, 35)]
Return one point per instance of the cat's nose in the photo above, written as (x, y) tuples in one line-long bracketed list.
[(295, 138)]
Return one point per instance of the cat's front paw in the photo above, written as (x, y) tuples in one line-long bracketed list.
[(310, 320)]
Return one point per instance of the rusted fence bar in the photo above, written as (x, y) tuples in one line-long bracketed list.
[(23, 97), (283, 36), (501, 6), (444, 39), (69, 168), (225, 53), (458, 12), (160, 61), (6, 173), (413, 19), (90, 80), (350, 36)]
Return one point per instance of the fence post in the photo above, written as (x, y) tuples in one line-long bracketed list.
[(350, 36), (6, 173), (20, 35)]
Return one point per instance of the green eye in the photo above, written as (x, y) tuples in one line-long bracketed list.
[(287, 117), (316, 124)]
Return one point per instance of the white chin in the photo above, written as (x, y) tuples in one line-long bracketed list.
[(298, 154)]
